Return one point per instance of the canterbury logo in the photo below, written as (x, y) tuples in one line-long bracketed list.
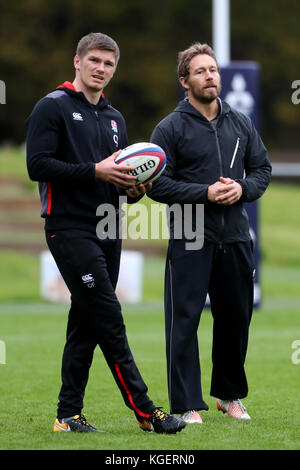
[(77, 117), (87, 278)]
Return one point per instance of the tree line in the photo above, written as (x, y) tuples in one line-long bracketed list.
[(38, 41)]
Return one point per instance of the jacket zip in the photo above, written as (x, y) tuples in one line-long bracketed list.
[(235, 152), (221, 174), (99, 135)]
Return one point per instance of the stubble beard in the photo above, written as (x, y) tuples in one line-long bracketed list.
[(204, 97)]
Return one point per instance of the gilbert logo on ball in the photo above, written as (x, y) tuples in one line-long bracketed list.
[(148, 160)]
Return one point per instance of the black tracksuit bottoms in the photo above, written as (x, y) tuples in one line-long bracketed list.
[(90, 269), (225, 272)]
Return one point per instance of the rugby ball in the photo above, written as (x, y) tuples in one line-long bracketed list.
[(148, 160)]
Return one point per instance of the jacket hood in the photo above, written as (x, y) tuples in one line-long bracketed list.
[(69, 88), (68, 85), (184, 106)]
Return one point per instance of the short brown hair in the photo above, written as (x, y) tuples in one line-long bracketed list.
[(97, 41), (185, 57)]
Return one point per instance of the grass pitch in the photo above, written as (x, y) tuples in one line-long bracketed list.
[(34, 335)]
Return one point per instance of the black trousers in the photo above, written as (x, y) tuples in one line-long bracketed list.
[(226, 274), (90, 269)]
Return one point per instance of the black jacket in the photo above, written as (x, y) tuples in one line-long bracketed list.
[(66, 136), (198, 153)]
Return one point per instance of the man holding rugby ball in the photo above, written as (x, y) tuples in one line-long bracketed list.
[(73, 138)]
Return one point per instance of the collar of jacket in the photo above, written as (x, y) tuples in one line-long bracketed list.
[(184, 106), (69, 88)]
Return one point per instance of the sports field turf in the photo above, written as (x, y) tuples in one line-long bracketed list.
[(34, 332), (29, 381)]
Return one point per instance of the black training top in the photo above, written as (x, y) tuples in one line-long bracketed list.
[(198, 153), (66, 136)]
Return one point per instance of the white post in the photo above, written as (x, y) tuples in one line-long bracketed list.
[(221, 31), (2, 92), (2, 352)]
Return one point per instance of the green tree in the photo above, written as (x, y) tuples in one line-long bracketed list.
[(38, 41)]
